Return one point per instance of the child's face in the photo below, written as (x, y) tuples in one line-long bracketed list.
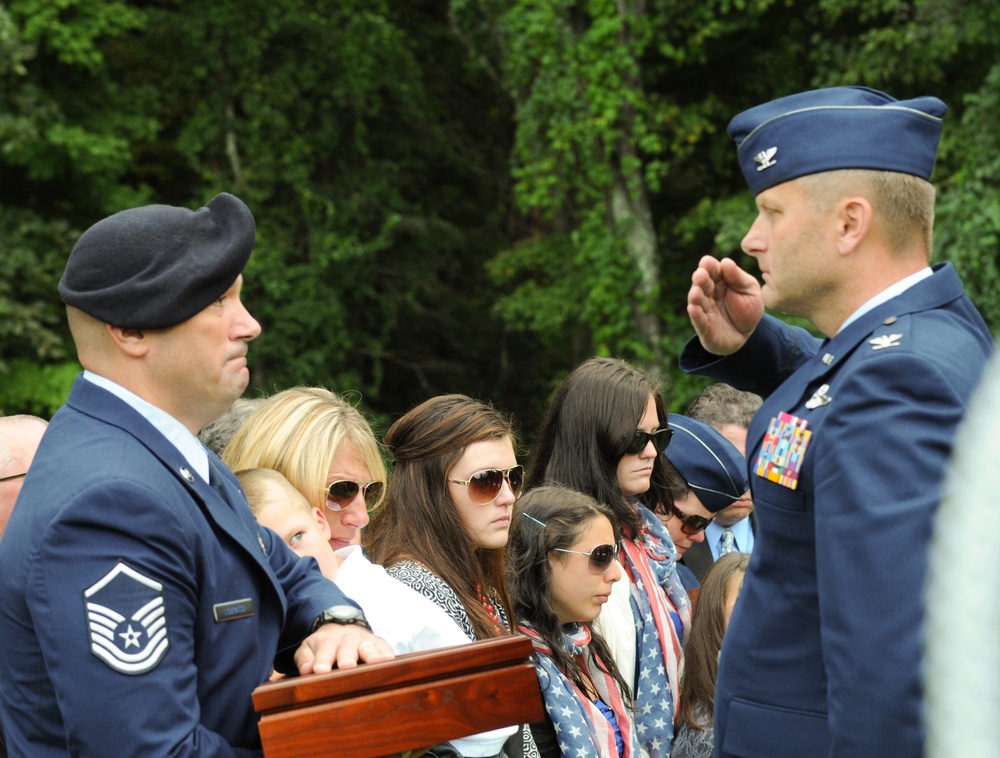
[(304, 531)]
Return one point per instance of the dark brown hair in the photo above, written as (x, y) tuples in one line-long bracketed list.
[(419, 521), (550, 518), (589, 424)]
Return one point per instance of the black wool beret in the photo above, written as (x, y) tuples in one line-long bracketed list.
[(157, 266)]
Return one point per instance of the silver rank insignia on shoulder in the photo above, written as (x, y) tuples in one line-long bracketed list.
[(828, 358), (885, 340), (764, 158), (819, 398)]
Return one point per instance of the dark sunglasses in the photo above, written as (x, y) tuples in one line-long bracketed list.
[(601, 557), (660, 439), (484, 486), (690, 525), (340, 495)]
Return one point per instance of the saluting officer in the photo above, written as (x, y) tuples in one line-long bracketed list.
[(846, 456)]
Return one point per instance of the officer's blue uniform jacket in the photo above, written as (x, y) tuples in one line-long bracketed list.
[(823, 653), (139, 608)]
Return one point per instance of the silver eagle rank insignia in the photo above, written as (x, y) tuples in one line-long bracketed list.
[(885, 340)]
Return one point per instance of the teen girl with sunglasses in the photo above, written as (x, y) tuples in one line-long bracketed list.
[(444, 526), (602, 435), (563, 563)]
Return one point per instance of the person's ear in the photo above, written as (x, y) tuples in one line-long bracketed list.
[(322, 523), (132, 342), (853, 224)]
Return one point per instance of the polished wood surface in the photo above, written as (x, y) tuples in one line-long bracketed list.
[(416, 700)]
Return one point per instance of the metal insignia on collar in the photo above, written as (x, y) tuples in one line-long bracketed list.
[(764, 158), (819, 398), (828, 358), (261, 541), (885, 340), (186, 473)]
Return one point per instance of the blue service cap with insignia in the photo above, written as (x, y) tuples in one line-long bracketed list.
[(157, 266), (836, 128), (711, 465)]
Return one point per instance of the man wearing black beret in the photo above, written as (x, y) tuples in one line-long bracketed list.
[(141, 602), (823, 654)]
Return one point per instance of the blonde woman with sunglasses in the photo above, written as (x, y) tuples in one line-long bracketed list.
[(324, 447), (563, 563), (444, 526)]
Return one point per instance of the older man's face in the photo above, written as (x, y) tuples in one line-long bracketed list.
[(21, 441)]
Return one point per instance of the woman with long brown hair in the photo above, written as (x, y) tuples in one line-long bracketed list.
[(444, 525)]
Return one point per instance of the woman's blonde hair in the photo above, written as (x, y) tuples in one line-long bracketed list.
[(296, 432)]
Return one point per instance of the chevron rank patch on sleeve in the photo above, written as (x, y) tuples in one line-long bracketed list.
[(127, 621)]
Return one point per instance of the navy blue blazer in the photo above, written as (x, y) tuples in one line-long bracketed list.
[(139, 608), (823, 653)]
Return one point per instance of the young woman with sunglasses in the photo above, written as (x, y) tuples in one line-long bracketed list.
[(563, 563), (602, 435), (444, 526)]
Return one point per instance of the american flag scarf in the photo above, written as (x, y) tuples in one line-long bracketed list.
[(650, 562), (580, 726)]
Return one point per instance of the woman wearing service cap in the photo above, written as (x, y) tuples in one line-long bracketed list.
[(142, 604), (847, 453)]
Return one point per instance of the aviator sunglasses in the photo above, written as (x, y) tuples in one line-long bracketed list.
[(340, 495), (690, 525), (601, 557), (660, 439), (484, 486)]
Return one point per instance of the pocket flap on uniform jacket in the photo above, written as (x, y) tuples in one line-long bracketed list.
[(755, 729)]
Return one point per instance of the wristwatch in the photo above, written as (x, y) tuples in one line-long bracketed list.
[(340, 614)]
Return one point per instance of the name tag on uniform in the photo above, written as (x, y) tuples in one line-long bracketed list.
[(784, 447), (234, 609)]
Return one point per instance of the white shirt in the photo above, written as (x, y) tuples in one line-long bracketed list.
[(887, 294), (616, 625), (400, 615), (409, 622)]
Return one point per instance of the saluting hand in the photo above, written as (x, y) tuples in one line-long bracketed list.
[(724, 305), (335, 645)]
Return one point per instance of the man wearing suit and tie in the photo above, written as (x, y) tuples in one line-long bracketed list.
[(141, 602), (823, 653)]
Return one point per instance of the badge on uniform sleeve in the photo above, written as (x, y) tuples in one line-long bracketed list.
[(126, 619), (783, 449)]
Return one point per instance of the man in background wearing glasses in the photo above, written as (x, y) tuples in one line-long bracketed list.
[(19, 438), (141, 602)]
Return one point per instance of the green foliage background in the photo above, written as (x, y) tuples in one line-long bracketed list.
[(467, 196)]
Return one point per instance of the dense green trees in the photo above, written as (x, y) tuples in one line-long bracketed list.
[(465, 196)]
